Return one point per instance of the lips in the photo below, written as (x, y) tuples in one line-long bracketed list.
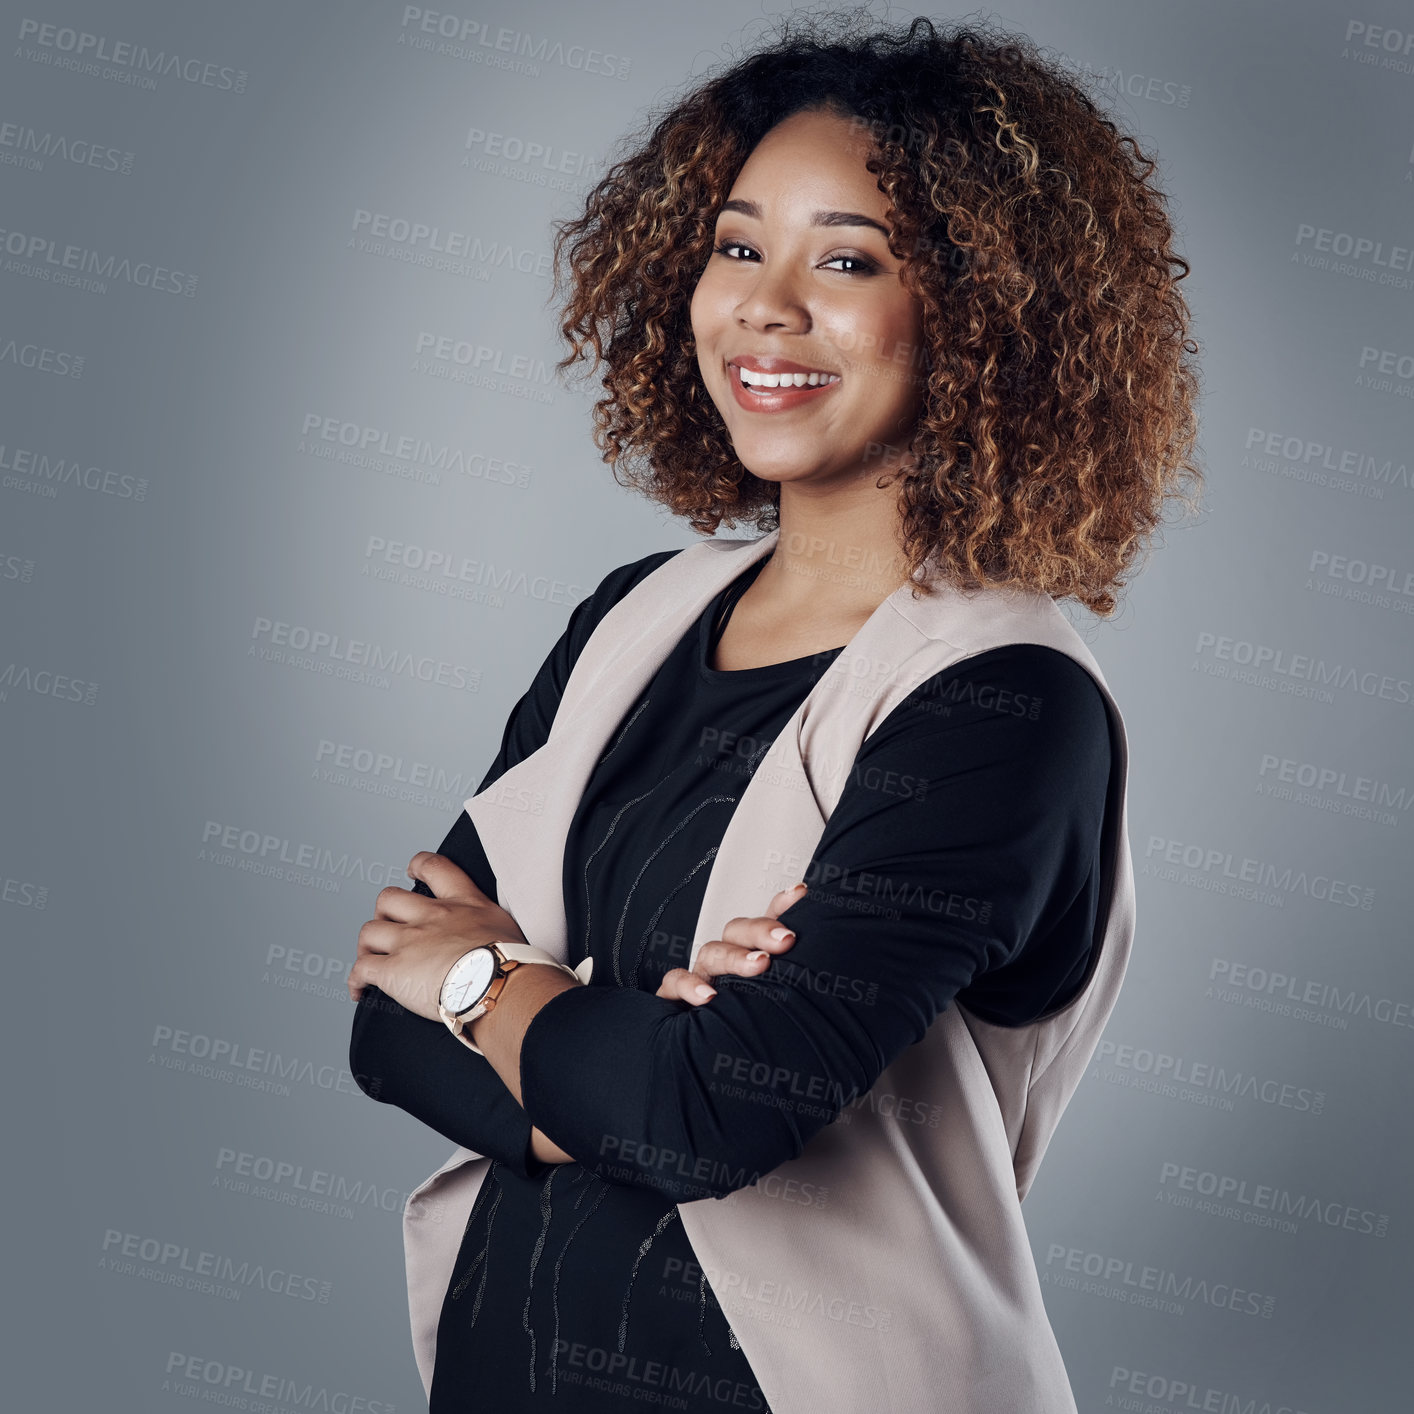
[(776, 384)]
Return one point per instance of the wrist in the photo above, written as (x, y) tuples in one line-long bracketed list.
[(526, 989)]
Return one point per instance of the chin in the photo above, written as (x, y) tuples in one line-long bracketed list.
[(782, 459), (773, 471)]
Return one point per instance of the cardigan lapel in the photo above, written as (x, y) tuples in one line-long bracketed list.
[(523, 818)]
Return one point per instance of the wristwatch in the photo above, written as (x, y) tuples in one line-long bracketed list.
[(474, 981)]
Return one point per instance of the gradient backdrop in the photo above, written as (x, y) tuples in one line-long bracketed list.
[(277, 399)]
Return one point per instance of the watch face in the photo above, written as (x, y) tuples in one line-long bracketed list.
[(468, 980)]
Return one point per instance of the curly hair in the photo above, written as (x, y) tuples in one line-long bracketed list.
[(1058, 412)]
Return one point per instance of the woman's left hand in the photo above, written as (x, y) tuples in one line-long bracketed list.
[(408, 947)]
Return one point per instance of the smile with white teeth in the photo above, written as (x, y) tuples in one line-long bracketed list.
[(752, 379)]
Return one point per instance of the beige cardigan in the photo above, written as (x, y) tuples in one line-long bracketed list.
[(913, 1288)]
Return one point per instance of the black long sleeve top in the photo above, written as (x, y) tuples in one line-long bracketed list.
[(960, 864)]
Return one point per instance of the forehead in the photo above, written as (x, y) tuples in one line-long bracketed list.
[(810, 159)]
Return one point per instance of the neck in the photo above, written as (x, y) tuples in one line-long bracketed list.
[(838, 549)]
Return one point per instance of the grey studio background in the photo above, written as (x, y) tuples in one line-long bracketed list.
[(274, 338)]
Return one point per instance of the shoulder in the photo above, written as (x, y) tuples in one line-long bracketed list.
[(1027, 701), (529, 724), (610, 589), (624, 577), (1040, 672)]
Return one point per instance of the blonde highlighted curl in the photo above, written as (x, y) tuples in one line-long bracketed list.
[(1059, 411)]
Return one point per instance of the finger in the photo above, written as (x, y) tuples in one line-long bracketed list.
[(783, 900), (402, 905), (359, 978), (444, 878), (762, 933), (716, 957), (680, 985), (379, 937)]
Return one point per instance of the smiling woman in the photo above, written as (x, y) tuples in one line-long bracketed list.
[(946, 217), (822, 835), (802, 290)]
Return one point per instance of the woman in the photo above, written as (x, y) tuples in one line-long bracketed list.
[(820, 1105)]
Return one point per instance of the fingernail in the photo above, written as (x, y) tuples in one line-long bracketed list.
[(798, 886), (781, 934), (703, 990), (756, 956)]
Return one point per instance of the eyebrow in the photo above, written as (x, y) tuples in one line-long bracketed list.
[(817, 218)]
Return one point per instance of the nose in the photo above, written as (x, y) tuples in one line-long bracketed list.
[(773, 301)]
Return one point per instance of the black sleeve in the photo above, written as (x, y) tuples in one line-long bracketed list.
[(409, 1061), (964, 850)]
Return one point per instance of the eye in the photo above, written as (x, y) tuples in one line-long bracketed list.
[(722, 247), (866, 266)]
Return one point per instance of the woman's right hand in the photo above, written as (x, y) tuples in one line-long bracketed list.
[(744, 949)]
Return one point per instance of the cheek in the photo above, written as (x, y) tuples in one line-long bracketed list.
[(704, 298), (899, 352), (905, 328), (700, 316), (702, 354)]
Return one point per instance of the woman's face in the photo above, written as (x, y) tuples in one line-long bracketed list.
[(799, 277)]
